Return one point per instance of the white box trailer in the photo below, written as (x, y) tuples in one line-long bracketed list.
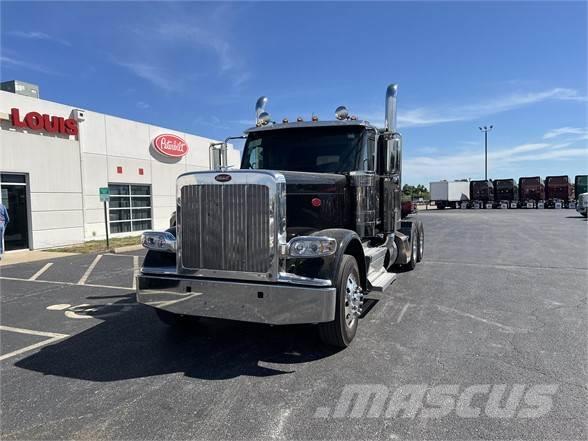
[(449, 194)]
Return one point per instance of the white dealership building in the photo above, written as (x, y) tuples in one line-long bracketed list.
[(54, 158)]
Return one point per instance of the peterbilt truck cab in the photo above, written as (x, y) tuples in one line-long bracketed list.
[(482, 194), (305, 229), (506, 193), (531, 192)]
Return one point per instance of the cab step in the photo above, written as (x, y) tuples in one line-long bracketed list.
[(380, 280)]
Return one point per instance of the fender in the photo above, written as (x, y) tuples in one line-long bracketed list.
[(348, 242)]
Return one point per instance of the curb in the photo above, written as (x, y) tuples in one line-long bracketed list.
[(126, 248)]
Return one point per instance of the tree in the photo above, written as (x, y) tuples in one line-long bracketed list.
[(410, 192)]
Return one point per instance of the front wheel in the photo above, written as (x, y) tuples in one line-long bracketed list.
[(341, 331)]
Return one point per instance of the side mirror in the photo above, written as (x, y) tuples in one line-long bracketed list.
[(216, 156)]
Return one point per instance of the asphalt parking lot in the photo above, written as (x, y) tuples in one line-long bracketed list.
[(499, 299)]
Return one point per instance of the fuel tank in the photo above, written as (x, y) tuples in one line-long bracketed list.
[(316, 201)]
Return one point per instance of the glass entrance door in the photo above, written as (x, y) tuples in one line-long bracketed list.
[(14, 197)]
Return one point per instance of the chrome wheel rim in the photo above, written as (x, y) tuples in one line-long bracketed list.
[(353, 300), (421, 244), (414, 247)]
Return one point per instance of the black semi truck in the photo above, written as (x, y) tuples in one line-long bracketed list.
[(531, 192), (506, 193), (482, 194), (558, 192), (306, 228), (580, 185)]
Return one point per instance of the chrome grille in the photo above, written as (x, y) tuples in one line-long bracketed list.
[(226, 227)]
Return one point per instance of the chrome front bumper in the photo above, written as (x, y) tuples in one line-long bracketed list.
[(276, 304)]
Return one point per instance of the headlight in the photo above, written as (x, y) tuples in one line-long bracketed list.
[(159, 241), (312, 246)]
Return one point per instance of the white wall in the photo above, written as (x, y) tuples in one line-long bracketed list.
[(53, 168), (65, 173)]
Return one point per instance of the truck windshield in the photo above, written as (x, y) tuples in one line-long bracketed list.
[(530, 181), (313, 149), (557, 180), (504, 185)]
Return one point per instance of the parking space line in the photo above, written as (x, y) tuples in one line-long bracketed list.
[(41, 271), (402, 312), (82, 281), (53, 338), (480, 319), (127, 288), (30, 331)]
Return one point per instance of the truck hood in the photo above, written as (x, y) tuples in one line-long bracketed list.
[(314, 201)]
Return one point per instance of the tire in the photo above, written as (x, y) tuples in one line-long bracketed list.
[(171, 319), (421, 241), (414, 241), (341, 331)]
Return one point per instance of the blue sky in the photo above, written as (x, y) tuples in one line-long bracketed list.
[(199, 67)]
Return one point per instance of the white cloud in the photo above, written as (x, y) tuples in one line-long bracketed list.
[(204, 36), (27, 65), (153, 74), (471, 165), (34, 35), (143, 105), (424, 116), (209, 35), (198, 36), (565, 131), (211, 121)]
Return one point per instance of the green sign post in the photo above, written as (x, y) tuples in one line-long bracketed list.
[(104, 193)]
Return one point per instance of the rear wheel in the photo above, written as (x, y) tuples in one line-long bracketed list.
[(341, 331), (414, 247)]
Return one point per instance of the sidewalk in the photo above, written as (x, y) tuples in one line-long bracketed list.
[(24, 256)]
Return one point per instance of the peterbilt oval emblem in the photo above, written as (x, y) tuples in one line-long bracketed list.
[(171, 145), (223, 178)]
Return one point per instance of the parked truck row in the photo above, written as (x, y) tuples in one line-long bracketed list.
[(528, 192)]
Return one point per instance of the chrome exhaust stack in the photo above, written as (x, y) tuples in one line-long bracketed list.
[(391, 93), (260, 109)]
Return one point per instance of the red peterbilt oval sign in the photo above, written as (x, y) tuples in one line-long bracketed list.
[(171, 145)]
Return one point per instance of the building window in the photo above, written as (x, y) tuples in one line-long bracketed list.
[(129, 208)]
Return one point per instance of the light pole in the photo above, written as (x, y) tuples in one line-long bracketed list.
[(486, 130)]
